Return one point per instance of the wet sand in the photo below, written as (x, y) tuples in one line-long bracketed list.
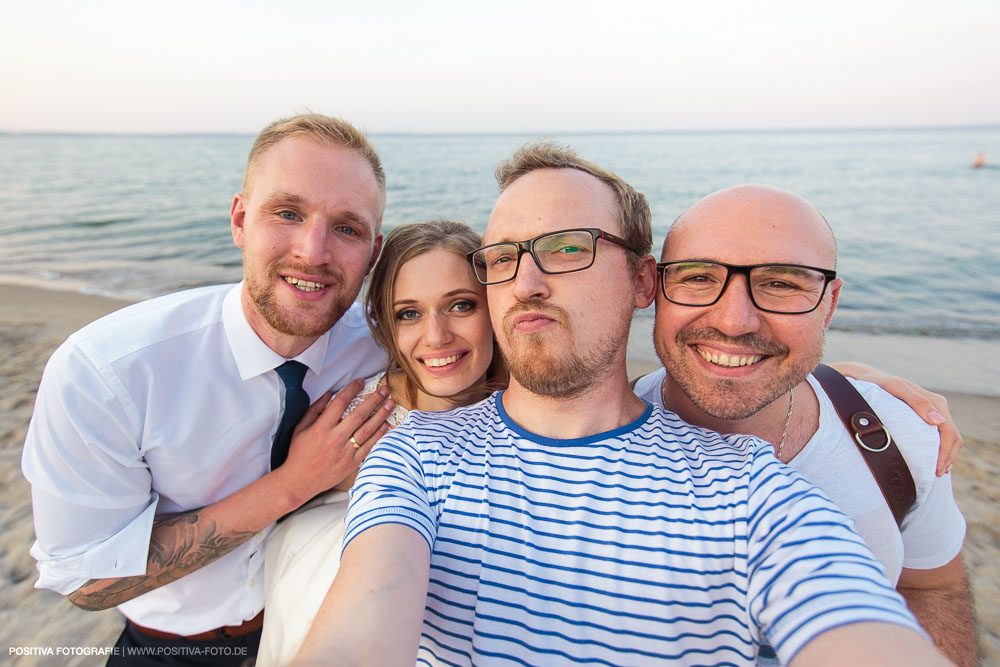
[(33, 321)]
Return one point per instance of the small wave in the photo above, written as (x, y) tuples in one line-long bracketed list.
[(930, 328), (100, 223), (127, 294)]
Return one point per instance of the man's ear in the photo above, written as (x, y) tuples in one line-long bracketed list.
[(834, 288), (376, 251), (236, 217), (645, 282)]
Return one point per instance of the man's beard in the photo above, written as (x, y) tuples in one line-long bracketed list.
[(549, 368), (731, 399), (311, 322)]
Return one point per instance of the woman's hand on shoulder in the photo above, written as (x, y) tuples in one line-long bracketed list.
[(932, 407)]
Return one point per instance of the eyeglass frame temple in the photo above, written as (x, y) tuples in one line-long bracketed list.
[(744, 270)]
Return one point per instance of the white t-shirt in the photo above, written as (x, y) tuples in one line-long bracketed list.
[(933, 530), (654, 542), (160, 408)]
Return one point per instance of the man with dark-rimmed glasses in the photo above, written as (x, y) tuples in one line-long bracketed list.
[(565, 520), (746, 290)]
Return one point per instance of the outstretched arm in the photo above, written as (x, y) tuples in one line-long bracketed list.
[(942, 602), (319, 457), (868, 644), (932, 408), (374, 610)]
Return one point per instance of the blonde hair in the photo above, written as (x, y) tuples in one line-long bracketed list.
[(634, 216), (401, 245), (319, 128)]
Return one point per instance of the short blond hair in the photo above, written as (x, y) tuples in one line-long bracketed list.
[(319, 128), (634, 215)]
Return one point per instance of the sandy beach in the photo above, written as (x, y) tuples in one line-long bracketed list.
[(33, 321)]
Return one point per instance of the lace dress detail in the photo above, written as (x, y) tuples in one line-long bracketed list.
[(398, 415)]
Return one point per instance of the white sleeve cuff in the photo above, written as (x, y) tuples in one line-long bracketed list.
[(123, 554), (933, 532)]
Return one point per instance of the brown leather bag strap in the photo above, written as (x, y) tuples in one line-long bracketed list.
[(873, 441)]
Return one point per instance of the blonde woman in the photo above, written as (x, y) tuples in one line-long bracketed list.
[(428, 311)]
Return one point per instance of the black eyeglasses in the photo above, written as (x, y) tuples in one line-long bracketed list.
[(791, 289), (565, 251)]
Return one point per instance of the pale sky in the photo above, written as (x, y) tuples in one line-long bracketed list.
[(502, 66)]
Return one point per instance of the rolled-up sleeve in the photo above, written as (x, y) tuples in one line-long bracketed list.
[(68, 557), (92, 496)]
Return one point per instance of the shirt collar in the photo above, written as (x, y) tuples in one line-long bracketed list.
[(253, 356)]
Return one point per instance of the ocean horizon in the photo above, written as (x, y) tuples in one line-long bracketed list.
[(519, 133)]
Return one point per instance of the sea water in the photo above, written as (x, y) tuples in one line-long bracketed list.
[(918, 228)]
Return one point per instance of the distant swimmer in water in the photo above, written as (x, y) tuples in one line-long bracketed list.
[(980, 160)]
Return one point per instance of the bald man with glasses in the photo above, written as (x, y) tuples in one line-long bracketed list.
[(747, 288)]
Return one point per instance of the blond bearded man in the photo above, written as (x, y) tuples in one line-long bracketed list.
[(153, 452)]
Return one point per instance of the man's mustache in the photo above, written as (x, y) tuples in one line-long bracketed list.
[(533, 306), (750, 341), (326, 276)]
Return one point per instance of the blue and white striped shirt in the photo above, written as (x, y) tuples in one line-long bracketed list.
[(657, 541)]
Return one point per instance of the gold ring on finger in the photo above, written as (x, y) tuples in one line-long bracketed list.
[(354, 442)]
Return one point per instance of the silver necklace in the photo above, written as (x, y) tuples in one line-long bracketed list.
[(788, 419)]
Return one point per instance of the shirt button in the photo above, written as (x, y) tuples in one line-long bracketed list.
[(253, 582)]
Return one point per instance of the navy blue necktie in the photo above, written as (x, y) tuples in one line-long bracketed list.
[(296, 404)]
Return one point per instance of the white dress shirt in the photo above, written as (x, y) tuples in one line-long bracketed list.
[(160, 408)]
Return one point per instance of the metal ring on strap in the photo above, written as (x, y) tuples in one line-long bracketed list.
[(888, 441)]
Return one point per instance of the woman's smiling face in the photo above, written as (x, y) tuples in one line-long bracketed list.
[(442, 326)]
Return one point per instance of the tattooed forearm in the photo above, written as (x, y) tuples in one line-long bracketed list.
[(178, 546)]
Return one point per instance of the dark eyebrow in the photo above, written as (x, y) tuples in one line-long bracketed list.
[(454, 292), (794, 270), (461, 290)]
